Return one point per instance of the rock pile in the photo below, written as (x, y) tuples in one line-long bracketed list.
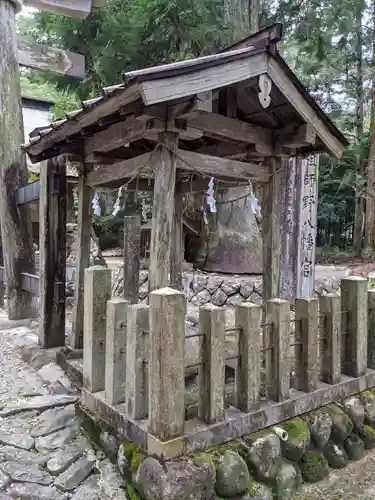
[(272, 463)]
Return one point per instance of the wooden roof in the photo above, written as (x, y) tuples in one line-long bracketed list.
[(216, 105)]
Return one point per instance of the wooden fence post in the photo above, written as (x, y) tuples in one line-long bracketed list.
[(52, 245), (371, 330), (278, 374), (354, 298), (115, 350), (307, 362), (212, 373), (132, 256), (136, 395), (97, 293), (330, 344), (167, 363), (248, 318)]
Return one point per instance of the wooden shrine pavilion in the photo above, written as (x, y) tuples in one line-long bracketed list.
[(232, 116)]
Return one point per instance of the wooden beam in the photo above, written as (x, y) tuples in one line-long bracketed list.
[(115, 136), (187, 160), (177, 243), (83, 255), (77, 9), (42, 57), (283, 82), (230, 129), (202, 80), (295, 137), (28, 193), (52, 245), (163, 212), (271, 232), (132, 257), (222, 167)]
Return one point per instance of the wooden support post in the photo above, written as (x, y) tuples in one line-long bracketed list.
[(212, 373), (97, 293), (69, 202), (52, 246), (330, 345), (248, 318), (2, 283), (167, 367), (15, 221), (83, 257), (278, 372), (354, 325), (177, 244), (115, 350), (371, 330), (132, 256), (136, 391), (271, 231), (163, 212), (307, 348)]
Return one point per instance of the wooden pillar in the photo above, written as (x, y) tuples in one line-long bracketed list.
[(177, 244), (97, 294), (69, 202), (163, 212), (132, 256), (371, 330), (330, 344), (354, 325), (248, 318), (307, 350), (167, 367), (278, 369), (115, 350), (52, 245), (15, 219), (271, 232), (83, 256), (212, 373)]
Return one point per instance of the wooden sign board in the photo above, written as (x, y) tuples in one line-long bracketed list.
[(42, 57), (77, 9), (307, 203)]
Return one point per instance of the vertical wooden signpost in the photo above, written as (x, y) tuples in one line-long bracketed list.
[(307, 196)]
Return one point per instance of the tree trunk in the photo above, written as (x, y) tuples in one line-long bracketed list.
[(370, 204), (15, 219), (360, 200)]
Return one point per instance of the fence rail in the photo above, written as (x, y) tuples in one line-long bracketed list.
[(141, 361)]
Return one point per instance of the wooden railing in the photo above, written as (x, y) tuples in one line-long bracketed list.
[(287, 365)]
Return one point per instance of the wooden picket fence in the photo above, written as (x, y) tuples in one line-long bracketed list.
[(135, 354)]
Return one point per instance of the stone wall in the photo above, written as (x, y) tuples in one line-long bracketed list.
[(229, 290), (273, 463)]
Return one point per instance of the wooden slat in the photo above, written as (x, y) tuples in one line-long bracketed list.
[(223, 127), (298, 101), (40, 56), (202, 80), (28, 193)]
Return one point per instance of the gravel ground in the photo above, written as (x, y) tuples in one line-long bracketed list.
[(354, 482)]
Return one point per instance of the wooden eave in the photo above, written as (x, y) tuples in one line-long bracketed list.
[(230, 143)]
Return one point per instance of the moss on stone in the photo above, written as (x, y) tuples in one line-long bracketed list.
[(314, 466), (128, 449), (205, 458), (131, 493), (259, 490), (296, 428), (336, 455), (367, 434), (136, 460)]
